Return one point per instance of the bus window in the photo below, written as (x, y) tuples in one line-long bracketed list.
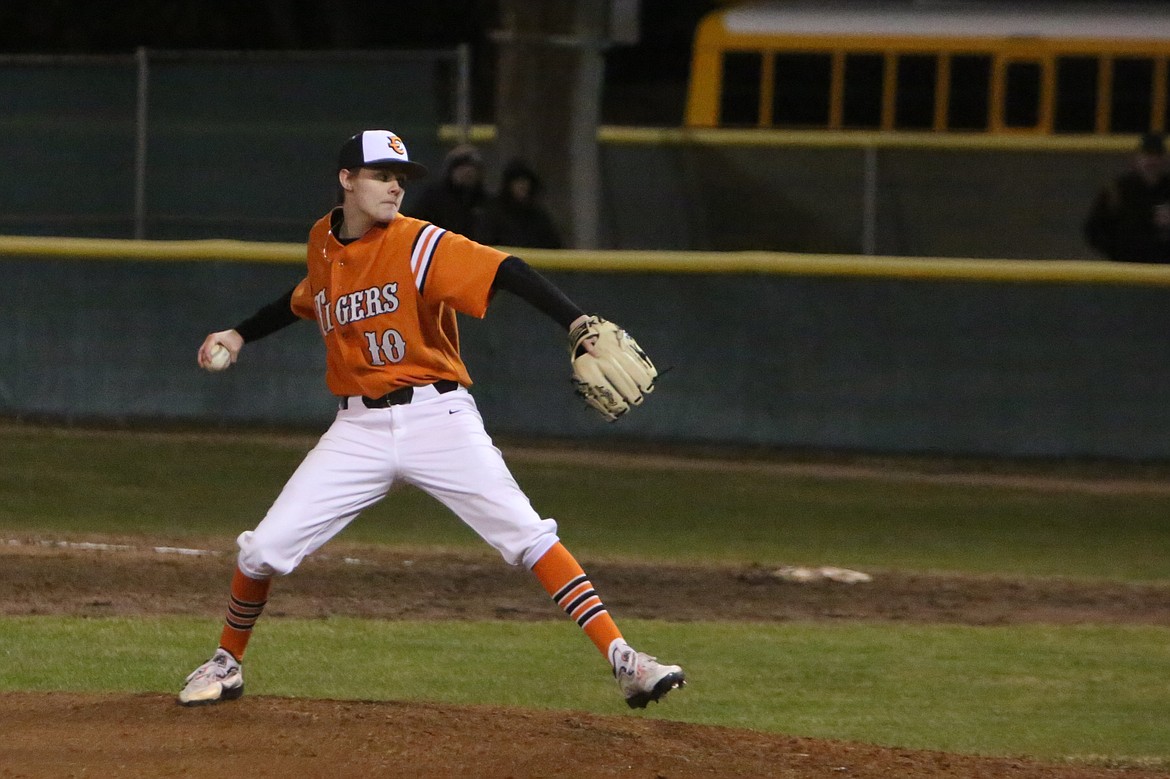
[(1021, 100), (739, 102), (970, 92), (802, 91), (1076, 94), (862, 101), (914, 104), (1133, 82), (1008, 67)]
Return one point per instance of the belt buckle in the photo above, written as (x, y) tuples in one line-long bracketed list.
[(398, 397)]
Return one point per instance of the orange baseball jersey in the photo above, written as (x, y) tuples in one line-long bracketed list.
[(386, 303)]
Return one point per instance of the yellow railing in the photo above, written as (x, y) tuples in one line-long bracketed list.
[(776, 263), (485, 134)]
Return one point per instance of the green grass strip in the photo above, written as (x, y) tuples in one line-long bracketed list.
[(1081, 693), (61, 481)]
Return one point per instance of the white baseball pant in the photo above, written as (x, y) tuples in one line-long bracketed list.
[(436, 443)]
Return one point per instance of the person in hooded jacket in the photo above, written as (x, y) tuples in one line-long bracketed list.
[(458, 201), (1130, 217), (515, 216)]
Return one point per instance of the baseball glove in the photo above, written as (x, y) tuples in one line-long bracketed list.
[(616, 375)]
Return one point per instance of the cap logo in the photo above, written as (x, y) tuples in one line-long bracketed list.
[(378, 148)]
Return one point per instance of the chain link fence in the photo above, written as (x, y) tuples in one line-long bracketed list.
[(167, 144)]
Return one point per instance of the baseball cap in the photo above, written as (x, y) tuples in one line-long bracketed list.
[(378, 149)]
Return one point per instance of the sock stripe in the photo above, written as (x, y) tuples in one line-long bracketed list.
[(581, 587), (563, 591), (588, 616), (580, 601), (242, 614), (240, 605), (594, 601), (576, 603), (243, 618), (239, 624)]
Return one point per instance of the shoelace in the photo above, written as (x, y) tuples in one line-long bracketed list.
[(216, 668)]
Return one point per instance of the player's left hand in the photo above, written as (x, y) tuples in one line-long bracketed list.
[(610, 371)]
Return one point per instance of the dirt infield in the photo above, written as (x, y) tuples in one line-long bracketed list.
[(119, 576), (66, 735)]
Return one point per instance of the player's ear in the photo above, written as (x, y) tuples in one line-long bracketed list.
[(345, 179)]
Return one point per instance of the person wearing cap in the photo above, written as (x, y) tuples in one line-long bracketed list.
[(1129, 220), (384, 290), (458, 200)]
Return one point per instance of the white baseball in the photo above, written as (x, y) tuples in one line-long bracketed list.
[(220, 358)]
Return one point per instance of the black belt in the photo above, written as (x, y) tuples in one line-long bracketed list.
[(402, 395)]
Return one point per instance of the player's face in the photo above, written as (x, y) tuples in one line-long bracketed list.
[(376, 193)]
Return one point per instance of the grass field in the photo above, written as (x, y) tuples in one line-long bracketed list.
[(1085, 692), (1064, 693), (182, 485)]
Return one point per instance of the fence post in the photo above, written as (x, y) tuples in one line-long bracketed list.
[(869, 201), (463, 92), (140, 145)]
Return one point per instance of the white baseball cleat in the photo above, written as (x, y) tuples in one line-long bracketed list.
[(642, 678), (219, 679)]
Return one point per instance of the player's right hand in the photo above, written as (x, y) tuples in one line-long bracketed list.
[(229, 339)]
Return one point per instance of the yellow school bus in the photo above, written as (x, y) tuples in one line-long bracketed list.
[(943, 66)]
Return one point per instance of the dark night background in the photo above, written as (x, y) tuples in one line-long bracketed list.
[(645, 83)]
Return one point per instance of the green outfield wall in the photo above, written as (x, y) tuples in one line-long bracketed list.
[(884, 355)]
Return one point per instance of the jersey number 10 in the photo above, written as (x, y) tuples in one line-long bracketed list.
[(389, 348)]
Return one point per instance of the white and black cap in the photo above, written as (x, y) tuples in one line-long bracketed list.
[(378, 149)]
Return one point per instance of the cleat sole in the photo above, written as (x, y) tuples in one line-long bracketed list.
[(665, 684), (230, 694)]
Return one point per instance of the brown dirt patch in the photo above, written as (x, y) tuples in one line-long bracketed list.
[(129, 576), (56, 735), (65, 735)]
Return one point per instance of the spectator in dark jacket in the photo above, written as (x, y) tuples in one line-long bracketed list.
[(458, 200), (1130, 218), (515, 216)]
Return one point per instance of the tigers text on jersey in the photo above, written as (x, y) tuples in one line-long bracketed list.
[(386, 303)]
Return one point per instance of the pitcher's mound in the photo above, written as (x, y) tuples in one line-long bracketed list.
[(127, 736)]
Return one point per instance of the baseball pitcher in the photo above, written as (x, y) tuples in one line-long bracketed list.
[(384, 290)]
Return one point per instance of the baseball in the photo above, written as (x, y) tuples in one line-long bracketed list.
[(220, 358)]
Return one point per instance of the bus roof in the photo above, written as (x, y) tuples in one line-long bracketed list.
[(946, 19)]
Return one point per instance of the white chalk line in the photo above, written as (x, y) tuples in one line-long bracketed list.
[(91, 546)]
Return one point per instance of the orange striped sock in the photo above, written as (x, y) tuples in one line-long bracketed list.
[(564, 579), (248, 598)]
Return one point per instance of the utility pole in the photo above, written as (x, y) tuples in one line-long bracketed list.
[(548, 103)]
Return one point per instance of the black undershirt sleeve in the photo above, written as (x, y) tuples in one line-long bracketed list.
[(522, 280), (275, 316)]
